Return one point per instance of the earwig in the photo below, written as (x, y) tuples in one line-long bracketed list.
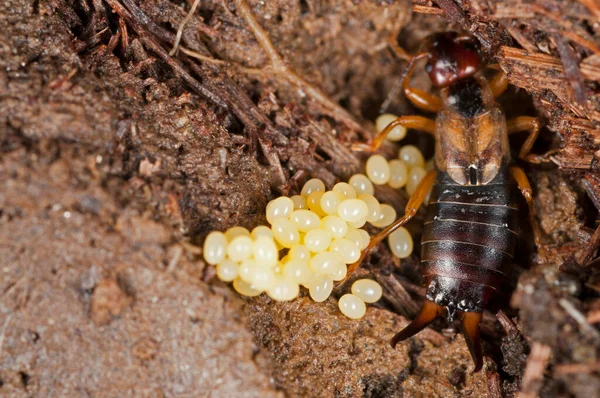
[(471, 224)]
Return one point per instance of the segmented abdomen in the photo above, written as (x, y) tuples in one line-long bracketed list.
[(468, 240)]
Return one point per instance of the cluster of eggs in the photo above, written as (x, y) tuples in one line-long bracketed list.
[(314, 236), (406, 171), (311, 239)]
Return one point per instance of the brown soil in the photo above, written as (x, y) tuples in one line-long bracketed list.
[(117, 159)]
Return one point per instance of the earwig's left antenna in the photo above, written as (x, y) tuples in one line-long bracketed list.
[(400, 82)]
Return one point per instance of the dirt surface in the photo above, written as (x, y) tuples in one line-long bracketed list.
[(116, 159)]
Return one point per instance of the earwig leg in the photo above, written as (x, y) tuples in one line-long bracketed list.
[(429, 312), (397, 50), (470, 329), (531, 124), (415, 201), (525, 188), (419, 98), (499, 84), (403, 81), (409, 122)]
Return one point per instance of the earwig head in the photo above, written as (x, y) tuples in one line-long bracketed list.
[(451, 58)]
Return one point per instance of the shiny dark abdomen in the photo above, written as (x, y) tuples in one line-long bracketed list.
[(468, 240)]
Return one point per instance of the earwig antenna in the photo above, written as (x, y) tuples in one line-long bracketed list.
[(400, 82)]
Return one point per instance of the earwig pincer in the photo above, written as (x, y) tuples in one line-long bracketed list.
[(471, 223)]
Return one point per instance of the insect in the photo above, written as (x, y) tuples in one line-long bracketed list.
[(471, 223)]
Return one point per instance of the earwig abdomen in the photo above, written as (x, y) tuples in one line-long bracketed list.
[(469, 237)]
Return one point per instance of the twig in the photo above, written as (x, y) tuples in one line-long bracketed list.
[(578, 317), (177, 252), (569, 61), (577, 368), (534, 370), (593, 6), (4, 328), (187, 19), (591, 248), (508, 325), (427, 10), (494, 385), (160, 51), (279, 68)]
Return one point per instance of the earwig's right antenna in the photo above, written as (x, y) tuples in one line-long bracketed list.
[(429, 312), (400, 82)]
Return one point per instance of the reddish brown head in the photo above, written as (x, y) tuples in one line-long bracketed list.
[(451, 58)]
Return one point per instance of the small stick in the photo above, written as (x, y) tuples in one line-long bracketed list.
[(6, 323), (578, 317), (569, 61), (427, 10), (187, 19), (280, 68), (534, 370)]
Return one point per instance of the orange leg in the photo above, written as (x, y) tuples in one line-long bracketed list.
[(415, 201), (410, 122), (499, 84), (531, 124), (419, 98), (523, 184)]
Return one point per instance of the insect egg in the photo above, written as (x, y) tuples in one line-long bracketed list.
[(305, 220), (352, 306), (335, 225), (361, 184), (317, 240), (215, 247), (401, 243), (365, 239), (283, 290), (415, 176), (262, 278), (339, 273), (299, 252), (246, 270), (227, 270), (398, 174), (373, 207), (313, 201), (382, 122), (412, 156), (352, 210), (285, 232), (265, 252), (314, 185), (367, 290), (388, 216), (345, 190), (325, 263), (299, 202), (262, 231), (322, 288), (378, 169), (348, 250), (240, 248), (245, 289), (298, 271), (330, 201), (236, 231), (280, 207)]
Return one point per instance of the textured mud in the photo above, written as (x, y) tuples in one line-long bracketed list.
[(112, 167)]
